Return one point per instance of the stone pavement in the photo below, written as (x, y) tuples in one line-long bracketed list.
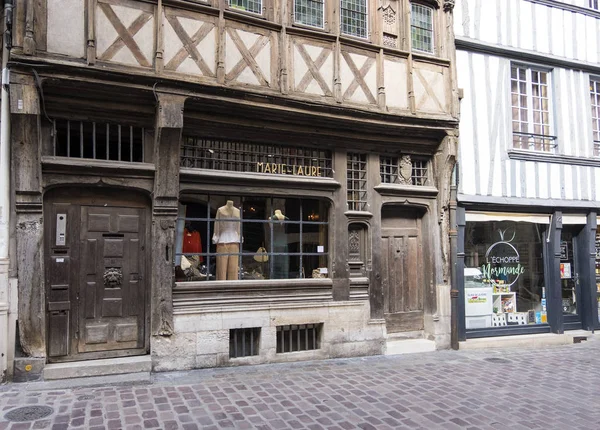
[(552, 388)]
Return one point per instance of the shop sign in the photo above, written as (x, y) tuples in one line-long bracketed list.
[(288, 169), (502, 263)]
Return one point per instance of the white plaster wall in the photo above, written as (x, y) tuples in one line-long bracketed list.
[(530, 26), (66, 27), (396, 85), (486, 134)]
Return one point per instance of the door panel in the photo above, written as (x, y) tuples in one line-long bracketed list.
[(112, 315), (403, 272)]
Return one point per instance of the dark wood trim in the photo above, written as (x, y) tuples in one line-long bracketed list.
[(566, 6), (516, 204), (97, 167), (473, 45), (192, 5), (406, 190), (460, 271), (542, 157), (511, 330)]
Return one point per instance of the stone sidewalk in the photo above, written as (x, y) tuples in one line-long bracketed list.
[(552, 388)]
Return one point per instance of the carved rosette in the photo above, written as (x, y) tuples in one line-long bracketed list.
[(354, 245)]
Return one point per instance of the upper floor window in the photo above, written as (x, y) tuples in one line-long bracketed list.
[(594, 4), (530, 93), (421, 28), (595, 99), (254, 6), (309, 12), (354, 17)]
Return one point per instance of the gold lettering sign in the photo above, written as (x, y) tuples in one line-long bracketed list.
[(287, 169)]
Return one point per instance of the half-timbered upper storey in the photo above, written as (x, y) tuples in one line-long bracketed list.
[(392, 56)]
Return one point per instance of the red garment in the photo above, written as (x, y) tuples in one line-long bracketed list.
[(192, 243)]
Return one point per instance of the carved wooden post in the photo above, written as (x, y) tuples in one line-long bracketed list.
[(25, 129), (169, 124), (341, 275)]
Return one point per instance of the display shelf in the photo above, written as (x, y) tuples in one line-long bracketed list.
[(504, 302)]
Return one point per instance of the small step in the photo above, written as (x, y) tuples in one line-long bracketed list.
[(110, 366), (409, 346)]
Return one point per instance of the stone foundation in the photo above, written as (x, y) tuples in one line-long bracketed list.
[(201, 340)]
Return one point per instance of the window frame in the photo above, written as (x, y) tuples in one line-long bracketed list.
[(263, 8), (594, 4), (208, 256), (354, 183), (367, 15), (530, 132), (595, 111), (295, 22), (433, 27)]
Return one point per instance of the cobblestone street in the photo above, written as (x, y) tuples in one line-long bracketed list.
[(552, 388)]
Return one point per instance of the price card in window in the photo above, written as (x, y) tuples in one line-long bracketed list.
[(320, 248)]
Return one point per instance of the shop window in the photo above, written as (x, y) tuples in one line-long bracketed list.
[(504, 274), (354, 17), (595, 102), (357, 181), (235, 156), (98, 140), (309, 12), (243, 238), (253, 6), (421, 28), (404, 170), (530, 95), (357, 248)]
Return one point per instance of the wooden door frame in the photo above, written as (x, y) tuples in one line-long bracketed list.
[(95, 196)]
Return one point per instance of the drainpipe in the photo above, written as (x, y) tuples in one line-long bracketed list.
[(453, 250), (5, 192)]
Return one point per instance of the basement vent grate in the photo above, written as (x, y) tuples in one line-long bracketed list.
[(302, 337), (28, 413), (244, 342)]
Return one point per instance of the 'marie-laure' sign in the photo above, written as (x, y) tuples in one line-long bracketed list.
[(288, 169)]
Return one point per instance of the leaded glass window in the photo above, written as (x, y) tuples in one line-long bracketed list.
[(254, 6), (595, 99), (354, 17), (309, 12), (421, 28), (357, 181)]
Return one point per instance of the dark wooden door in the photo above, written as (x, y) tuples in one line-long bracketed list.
[(111, 311), (96, 290), (402, 254)]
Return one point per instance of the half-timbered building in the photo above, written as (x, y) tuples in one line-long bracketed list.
[(205, 183), (529, 166)]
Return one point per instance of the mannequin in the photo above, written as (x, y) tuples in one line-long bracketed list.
[(281, 263), (227, 238)]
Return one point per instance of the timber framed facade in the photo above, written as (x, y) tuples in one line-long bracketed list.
[(184, 186)]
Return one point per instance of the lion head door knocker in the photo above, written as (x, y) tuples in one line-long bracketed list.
[(113, 277)]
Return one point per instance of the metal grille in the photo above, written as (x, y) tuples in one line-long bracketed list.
[(100, 141), (303, 337), (421, 28), (530, 109), (244, 342), (234, 156), (309, 12), (254, 6), (388, 167), (594, 4), (357, 181), (354, 17), (419, 172), (389, 170), (595, 99)]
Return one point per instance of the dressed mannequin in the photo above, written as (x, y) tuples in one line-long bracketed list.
[(227, 238), (281, 263)]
